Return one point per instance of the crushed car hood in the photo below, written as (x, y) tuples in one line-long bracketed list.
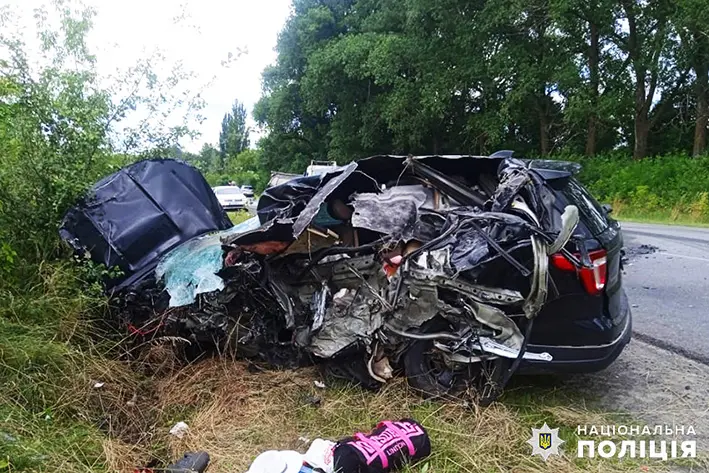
[(132, 217)]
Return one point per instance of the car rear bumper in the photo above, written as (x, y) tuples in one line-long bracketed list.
[(578, 359), (234, 207)]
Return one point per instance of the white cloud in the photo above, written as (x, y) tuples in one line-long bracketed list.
[(200, 34)]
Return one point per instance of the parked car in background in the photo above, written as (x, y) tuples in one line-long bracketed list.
[(317, 168), (230, 197), (278, 178), (248, 191)]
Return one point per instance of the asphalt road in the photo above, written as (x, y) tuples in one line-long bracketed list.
[(668, 288), (662, 377)]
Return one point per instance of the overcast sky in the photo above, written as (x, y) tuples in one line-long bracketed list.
[(208, 31)]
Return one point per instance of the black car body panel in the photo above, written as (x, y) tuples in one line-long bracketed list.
[(595, 328), (590, 357), (132, 217)]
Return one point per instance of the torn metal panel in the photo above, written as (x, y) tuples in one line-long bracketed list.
[(353, 317), (477, 237), (508, 334), (538, 292), (513, 177), (280, 230), (460, 192), (417, 304), (313, 206), (298, 202), (288, 199), (319, 305), (438, 261), (394, 212), (281, 293), (482, 294), (517, 181), (569, 221), (491, 346)]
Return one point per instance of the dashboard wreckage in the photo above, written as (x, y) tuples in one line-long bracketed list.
[(434, 266)]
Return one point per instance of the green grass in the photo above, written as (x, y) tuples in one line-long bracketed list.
[(663, 217), (239, 216), (41, 406), (53, 418), (50, 418), (672, 189)]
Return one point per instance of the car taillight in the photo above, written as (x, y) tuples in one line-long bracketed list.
[(593, 279)]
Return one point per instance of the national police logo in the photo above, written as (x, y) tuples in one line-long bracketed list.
[(545, 442)]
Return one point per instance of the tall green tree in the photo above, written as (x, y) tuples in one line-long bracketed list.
[(357, 77), (644, 33), (297, 130), (691, 20), (234, 135), (532, 60), (598, 92)]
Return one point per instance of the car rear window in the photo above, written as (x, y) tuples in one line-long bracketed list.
[(589, 208)]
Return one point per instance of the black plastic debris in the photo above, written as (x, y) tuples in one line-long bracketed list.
[(191, 462)]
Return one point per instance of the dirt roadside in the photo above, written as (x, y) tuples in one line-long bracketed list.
[(655, 386)]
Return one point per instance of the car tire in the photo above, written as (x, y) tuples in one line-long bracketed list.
[(429, 375)]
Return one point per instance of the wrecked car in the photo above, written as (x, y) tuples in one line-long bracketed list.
[(457, 271)]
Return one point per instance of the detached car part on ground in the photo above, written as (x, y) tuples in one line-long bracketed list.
[(457, 270)]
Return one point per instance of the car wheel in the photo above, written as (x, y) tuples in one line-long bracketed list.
[(428, 372)]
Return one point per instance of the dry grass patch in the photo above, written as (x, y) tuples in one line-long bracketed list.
[(235, 413)]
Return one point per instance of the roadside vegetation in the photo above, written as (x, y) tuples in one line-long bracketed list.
[(664, 189), (76, 397)]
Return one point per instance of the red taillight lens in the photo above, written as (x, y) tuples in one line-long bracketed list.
[(593, 279), (561, 262)]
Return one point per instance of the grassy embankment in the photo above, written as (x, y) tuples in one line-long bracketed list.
[(73, 402), (56, 418)]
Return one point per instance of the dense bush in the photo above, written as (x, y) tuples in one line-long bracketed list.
[(59, 132), (673, 186)]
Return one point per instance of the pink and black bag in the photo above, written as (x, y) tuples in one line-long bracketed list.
[(389, 446)]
